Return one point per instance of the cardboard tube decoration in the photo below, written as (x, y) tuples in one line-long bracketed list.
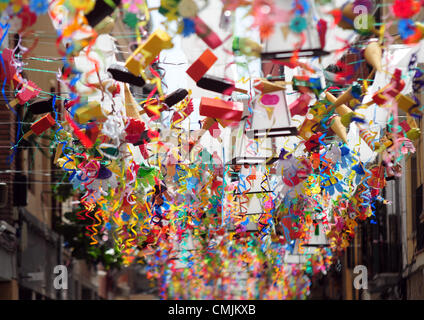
[(40, 126), (28, 91), (120, 73), (101, 10), (218, 85), (148, 51), (93, 110), (199, 67), (152, 107), (206, 34)]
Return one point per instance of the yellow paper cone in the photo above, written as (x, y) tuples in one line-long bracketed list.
[(285, 31), (269, 111), (93, 110), (131, 105), (341, 109), (305, 130), (226, 123), (339, 129), (206, 126), (105, 26), (347, 12), (58, 152), (372, 55), (267, 86), (343, 99)]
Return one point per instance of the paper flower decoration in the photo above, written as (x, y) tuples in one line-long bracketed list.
[(298, 24), (132, 5), (39, 7), (301, 6), (406, 28), (333, 183), (131, 20), (346, 71), (360, 173), (405, 8), (134, 130), (27, 16), (188, 27), (346, 156)]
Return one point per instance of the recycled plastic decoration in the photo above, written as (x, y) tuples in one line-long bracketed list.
[(206, 227)]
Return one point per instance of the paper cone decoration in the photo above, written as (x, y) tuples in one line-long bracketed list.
[(107, 85), (205, 127), (269, 111), (343, 99), (285, 31), (368, 137), (339, 129), (226, 123), (58, 152), (411, 122), (267, 86), (105, 26), (372, 55), (305, 130), (380, 146), (171, 170), (341, 109), (131, 105), (348, 16)]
